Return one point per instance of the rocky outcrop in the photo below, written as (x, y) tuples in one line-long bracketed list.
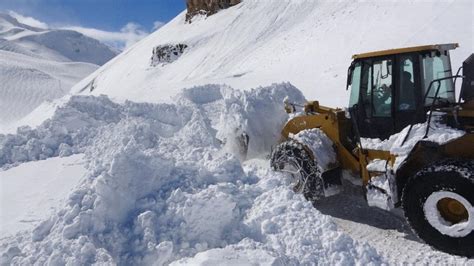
[(165, 54), (207, 7)]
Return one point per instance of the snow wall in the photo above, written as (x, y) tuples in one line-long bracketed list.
[(166, 185)]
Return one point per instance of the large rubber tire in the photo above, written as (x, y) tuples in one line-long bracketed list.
[(308, 179), (453, 177)]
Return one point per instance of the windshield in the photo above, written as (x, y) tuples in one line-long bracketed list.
[(435, 67)]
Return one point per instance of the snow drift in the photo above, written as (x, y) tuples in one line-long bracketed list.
[(163, 185)]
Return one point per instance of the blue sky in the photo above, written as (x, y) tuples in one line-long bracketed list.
[(99, 18)]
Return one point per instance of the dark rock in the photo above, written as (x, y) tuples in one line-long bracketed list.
[(165, 54), (207, 7)]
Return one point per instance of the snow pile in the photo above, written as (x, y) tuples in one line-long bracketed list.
[(438, 133), (162, 186), (68, 132), (320, 145), (285, 229), (258, 113), (377, 165), (247, 252), (382, 191)]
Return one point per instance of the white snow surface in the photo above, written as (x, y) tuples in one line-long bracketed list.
[(40, 65), (378, 165), (260, 42), (247, 252), (26, 82), (34, 191), (163, 185), (438, 133), (54, 44), (320, 145)]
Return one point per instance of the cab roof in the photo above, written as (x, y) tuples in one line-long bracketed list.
[(432, 47)]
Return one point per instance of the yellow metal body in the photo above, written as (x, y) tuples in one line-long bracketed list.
[(336, 126), (334, 123), (433, 47)]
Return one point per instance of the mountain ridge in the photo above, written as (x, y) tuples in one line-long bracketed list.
[(40, 65)]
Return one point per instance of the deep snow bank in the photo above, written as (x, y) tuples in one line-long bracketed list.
[(162, 185), (227, 112)]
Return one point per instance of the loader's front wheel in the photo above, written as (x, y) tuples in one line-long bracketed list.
[(291, 157), (439, 205)]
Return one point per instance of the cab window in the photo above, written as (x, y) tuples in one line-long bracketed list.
[(435, 67), (355, 85), (406, 83), (382, 88), (366, 87)]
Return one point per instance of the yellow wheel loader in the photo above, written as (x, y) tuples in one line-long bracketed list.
[(404, 135)]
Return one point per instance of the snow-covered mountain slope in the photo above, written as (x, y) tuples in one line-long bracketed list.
[(308, 43), (72, 45), (39, 65), (11, 26), (59, 45), (9, 46), (27, 81)]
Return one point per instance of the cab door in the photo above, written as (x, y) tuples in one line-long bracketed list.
[(408, 96), (373, 80)]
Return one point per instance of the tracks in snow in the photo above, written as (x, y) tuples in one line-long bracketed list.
[(387, 232)]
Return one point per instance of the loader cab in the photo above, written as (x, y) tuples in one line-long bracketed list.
[(389, 88)]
